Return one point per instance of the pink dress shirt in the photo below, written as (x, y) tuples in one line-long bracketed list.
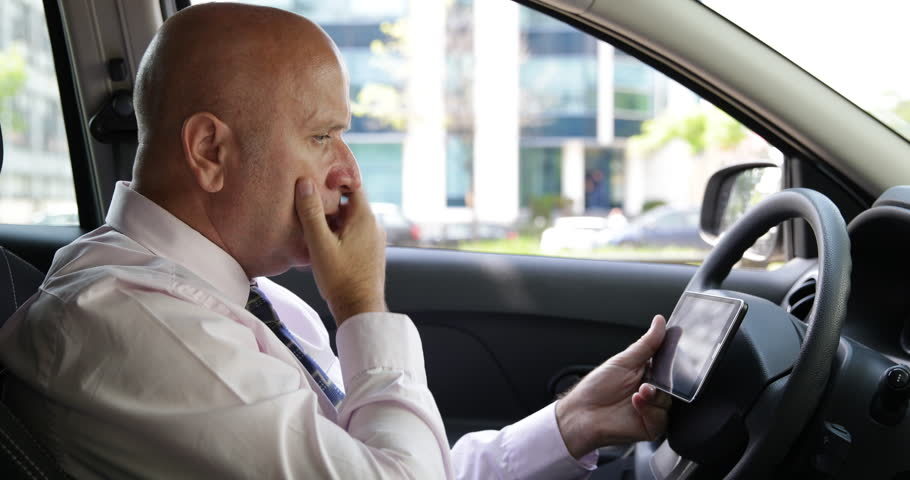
[(138, 359)]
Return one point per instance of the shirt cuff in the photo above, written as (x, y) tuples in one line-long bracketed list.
[(386, 341), (537, 449)]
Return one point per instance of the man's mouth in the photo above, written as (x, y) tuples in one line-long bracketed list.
[(334, 221)]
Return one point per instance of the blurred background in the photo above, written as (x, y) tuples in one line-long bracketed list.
[(478, 125), (488, 126)]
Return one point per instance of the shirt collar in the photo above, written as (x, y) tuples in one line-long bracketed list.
[(165, 235)]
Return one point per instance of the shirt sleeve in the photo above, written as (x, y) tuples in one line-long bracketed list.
[(530, 449), (156, 386)]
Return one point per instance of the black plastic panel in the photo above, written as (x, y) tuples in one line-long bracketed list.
[(496, 328), (615, 293), (878, 314)]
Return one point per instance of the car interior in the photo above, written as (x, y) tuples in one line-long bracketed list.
[(816, 381)]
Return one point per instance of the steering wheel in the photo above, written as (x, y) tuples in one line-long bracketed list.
[(772, 377)]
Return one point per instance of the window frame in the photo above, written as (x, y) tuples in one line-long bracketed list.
[(74, 128)]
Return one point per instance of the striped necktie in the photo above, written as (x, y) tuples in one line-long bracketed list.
[(259, 306)]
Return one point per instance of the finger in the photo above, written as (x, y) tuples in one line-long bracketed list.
[(358, 214), (637, 354), (311, 214), (654, 396), (358, 204), (654, 418), (639, 402), (648, 392), (647, 410)]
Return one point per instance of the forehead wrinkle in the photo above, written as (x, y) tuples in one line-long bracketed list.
[(321, 107)]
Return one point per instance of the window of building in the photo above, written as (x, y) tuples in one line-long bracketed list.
[(36, 184), (632, 102), (19, 20), (539, 122), (459, 170), (630, 73), (603, 189), (380, 167), (558, 85), (541, 174)]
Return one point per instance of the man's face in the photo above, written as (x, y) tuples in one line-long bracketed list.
[(302, 140)]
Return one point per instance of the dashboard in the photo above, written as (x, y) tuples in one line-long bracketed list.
[(878, 311)]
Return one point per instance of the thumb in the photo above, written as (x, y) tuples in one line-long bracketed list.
[(637, 354), (311, 214)]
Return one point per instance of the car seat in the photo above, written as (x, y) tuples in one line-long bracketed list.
[(21, 456)]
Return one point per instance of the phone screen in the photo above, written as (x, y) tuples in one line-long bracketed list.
[(697, 330)]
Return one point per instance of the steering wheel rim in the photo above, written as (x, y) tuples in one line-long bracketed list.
[(809, 376)]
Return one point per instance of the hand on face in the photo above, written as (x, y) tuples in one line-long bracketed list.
[(348, 260), (611, 405)]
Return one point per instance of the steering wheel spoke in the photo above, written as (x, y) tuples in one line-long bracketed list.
[(666, 464)]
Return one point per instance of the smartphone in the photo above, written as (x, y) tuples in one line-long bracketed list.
[(698, 331)]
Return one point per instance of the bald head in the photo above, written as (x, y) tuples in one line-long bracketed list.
[(235, 61), (236, 105)]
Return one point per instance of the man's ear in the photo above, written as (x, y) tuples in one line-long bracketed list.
[(207, 142)]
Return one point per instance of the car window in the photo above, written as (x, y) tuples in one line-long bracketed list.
[(492, 127), (36, 185)]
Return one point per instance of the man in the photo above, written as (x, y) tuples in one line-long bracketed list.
[(156, 347)]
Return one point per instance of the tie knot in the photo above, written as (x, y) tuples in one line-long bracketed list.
[(261, 308), (255, 298)]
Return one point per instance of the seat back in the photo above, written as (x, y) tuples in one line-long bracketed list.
[(19, 280), (21, 456)]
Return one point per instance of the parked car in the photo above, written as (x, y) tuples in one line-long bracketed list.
[(398, 229), (660, 227), (576, 233), (453, 234)]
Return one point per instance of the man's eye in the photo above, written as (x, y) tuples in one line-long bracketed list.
[(321, 138)]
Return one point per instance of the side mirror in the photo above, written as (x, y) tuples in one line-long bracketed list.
[(730, 193)]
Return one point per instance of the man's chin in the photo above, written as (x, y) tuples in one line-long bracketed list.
[(278, 264), (302, 260)]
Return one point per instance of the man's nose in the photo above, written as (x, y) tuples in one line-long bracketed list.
[(345, 174)]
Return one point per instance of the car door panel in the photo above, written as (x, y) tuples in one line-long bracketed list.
[(497, 330)]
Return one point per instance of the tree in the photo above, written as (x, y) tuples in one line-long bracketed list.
[(704, 127), (382, 101), (902, 109), (386, 102), (12, 79)]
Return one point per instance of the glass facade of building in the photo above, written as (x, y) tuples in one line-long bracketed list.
[(559, 80), (37, 182)]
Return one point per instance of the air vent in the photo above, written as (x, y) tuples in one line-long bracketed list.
[(799, 302)]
